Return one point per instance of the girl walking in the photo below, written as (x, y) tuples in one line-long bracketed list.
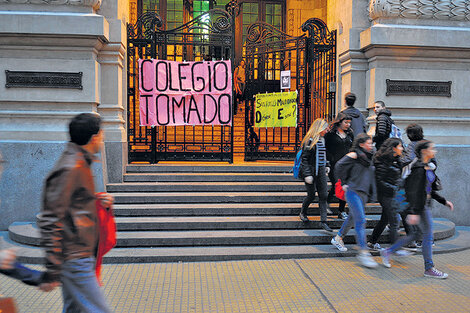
[(357, 178), (388, 177), (338, 142), (313, 170), (421, 187)]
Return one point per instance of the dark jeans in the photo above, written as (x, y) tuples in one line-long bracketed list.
[(320, 185), (331, 193), (389, 216), (26, 275)]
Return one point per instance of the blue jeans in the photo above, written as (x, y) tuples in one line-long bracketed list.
[(80, 289), (356, 205), (425, 227)]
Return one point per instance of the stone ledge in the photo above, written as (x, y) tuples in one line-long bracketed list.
[(46, 23)]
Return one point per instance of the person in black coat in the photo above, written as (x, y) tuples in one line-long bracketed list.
[(384, 124), (338, 142), (313, 169), (421, 187), (388, 178)]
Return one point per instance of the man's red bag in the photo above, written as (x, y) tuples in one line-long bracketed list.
[(339, 192), (107, 227)]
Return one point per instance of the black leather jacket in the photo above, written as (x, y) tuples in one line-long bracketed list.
[(68, 220)]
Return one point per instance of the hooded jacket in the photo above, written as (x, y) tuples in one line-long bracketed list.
[(358, 122), (384, 127)]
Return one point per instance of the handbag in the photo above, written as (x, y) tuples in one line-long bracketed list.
[(339, 192), (7, 305)]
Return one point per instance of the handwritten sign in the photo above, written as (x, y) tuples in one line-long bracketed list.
[(185, 93), (276, 109)]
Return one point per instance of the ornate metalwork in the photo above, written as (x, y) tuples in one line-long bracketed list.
[(207, 37), (233, 7), (311, 58), (261, 32)]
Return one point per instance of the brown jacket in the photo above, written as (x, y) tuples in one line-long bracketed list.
[(68, 220)]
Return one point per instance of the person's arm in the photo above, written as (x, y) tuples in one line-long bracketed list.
[(57, 198), (307, 168), (381, 129), (364, 123), (343, 167)]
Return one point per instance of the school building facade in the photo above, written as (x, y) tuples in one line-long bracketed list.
[(61, 58)]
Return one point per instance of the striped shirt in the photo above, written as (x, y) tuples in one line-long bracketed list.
[(321, 152)]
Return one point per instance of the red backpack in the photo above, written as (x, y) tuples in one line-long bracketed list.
[(339, 192)]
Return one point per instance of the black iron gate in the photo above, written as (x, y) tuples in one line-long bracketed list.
[(311, 58), (207, 37)]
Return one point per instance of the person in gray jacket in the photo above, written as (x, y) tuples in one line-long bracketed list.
[(358, 122)]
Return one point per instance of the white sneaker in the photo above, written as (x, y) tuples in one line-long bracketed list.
[(366, 260), (339, 244), (374, 246), (385, 258), (402, 253)]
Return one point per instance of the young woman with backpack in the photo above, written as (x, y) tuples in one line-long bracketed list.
[(313, 170), (357, 178), (338, 141), (421, 187)]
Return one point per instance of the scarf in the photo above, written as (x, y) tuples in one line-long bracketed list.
[(364, 157)]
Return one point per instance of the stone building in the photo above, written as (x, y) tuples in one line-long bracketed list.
[(413, 55)]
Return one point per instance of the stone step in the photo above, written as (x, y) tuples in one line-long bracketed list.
[(34, 255), (209, 177), (225, 209), (207, 187), (284, 167), (28, 234), (207, 197)]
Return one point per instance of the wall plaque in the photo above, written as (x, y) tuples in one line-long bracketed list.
[(43, 79), (418, 88)]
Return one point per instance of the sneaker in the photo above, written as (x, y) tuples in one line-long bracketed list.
[(328, 211), (366, 260), (385, 258), (402, 253), (419, 244), (303, 218), (339, 244), (343, 215), (412, 247), (326, 227), (374, 246), (434, 273)]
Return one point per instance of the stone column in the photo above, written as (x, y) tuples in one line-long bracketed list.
[(54, 36)]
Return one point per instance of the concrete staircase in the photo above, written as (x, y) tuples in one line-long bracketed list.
[(168, 213)]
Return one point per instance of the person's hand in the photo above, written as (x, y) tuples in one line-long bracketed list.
[(7, 258), (327, 170), (105, 198), (412, 219), (309, 179), (46, 287), (345, 187), (450, 205)]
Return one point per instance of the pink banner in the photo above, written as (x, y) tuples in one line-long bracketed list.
[(185, 93)]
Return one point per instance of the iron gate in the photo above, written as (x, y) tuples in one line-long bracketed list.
[(207, 37), (311, 58)]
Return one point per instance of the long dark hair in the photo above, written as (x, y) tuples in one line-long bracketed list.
[(360, 139), (420, 146), (386, 149), (340, 117)]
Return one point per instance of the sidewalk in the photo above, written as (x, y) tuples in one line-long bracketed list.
[(302, 285)]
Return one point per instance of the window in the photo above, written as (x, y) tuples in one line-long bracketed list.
[(269, 11)]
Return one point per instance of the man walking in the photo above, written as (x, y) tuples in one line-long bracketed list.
[(358, 122), (68, 221), (384, 124)]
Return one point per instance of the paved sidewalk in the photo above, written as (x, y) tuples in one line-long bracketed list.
[(302, 285)]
